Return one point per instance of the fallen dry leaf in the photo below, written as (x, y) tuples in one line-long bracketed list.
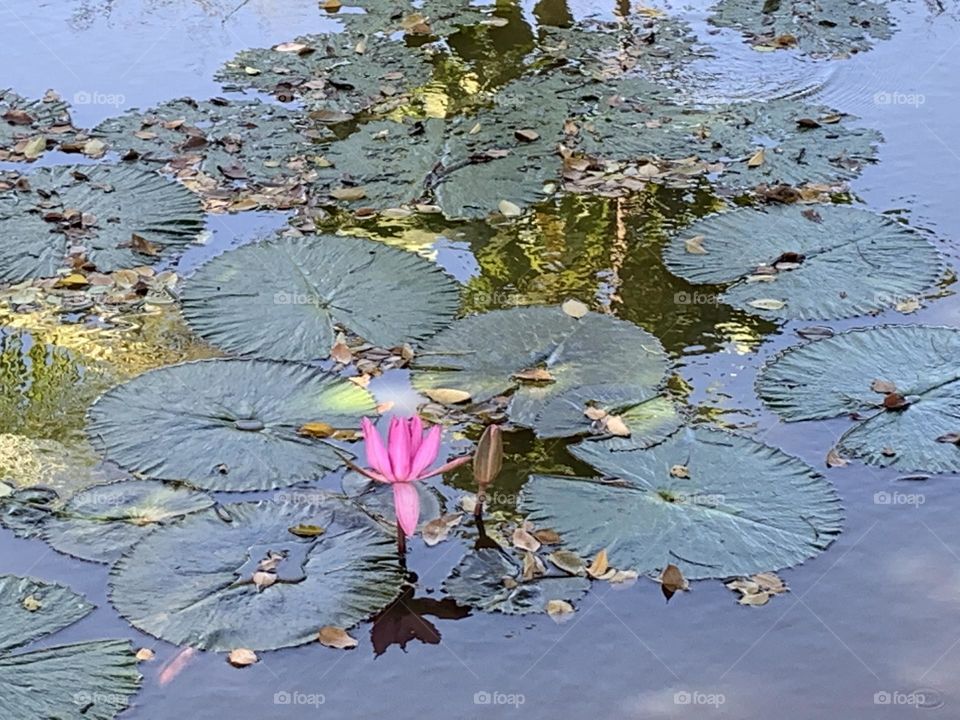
[(525, 541), (242, 657), (341, 353), (767, 304), (34, 147), (509, 209), (680, 471), (438, 529), (559, 608), (567, 561), (600, 565), (540, 375), (447, 396), (694, 245), (349, 193), (615, 425), (575, 308), (145, 654), (756, 160), (306, 531), (672, 580), (835, 460), (316, 430), (334, 637), (883, 386)]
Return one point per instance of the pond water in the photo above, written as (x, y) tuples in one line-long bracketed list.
[(872, 614)]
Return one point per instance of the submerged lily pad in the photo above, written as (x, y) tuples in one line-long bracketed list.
[(192, 583), (712, 503), (816, 262), (226, 424), (899, 383), (284, 298), (552, 364), (377, 498), (102, 522), (234, 140), (341, 73), (84, 680), (490, 580), (821, 27), (27, 126), (121, 217)]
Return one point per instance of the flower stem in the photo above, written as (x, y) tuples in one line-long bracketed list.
[(401, 541)]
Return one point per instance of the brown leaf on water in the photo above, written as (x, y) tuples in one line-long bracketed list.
[(883, 386), (547, 536), (559, 609), (340, 352), (18, 117), (438, 529), (318, 430), (672, 581), (526, 135), (758, 589), (534, 375), (600, 565), (447, 396), (242, 657), (330, 5), (488, 459), (694, 245), (567, 561), (294, 47), (756, 160), (835, 460), (525, 541), (140, 244), (145, 655), (895, 401), (94, 148), (532, 566), (575, 308), (262, 580), (335, 637), (349, 194), (615, 425), (34, 147)]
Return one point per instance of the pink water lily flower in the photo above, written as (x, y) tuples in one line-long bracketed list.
[(407, 457)]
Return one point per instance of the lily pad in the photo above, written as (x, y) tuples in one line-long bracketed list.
[(490, 580), (233, 140), (192, 583), (820, 27), (24, 121), (817, 262), (801, 143), (853, 374), (284, 298), (120, 216), (712, 503), (552, 364), (83, 680), (101, 523), (345, 73), (226, 424)]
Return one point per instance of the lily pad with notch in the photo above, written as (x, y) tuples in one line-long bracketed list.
[(284, 298), (552, 364), (227, 424), (253, 583), (121, 217), (103, 522), (899, 384), (82, 680), (806, 262), (491, 580), (710, 502)]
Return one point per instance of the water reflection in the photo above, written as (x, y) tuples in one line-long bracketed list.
[(406, 620)]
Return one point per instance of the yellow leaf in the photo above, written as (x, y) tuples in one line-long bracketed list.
[(575, 308), (600, 565), (447, 396), (34, 147), (335, 637), (756, 160)]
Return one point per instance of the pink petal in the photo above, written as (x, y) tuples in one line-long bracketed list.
[(447, 466), (416, 434), (406, 501), (377, 457), (398, 446), (429, 449)]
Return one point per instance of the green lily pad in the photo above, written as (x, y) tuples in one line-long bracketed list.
[(22, 119), (490, 580), (820, 149), (284, 298), (89, 680), (192, 583), (835, 261), (586, 360), (41, 223), (839, 376), (744, 507), (226, 424), (248, 141), (343, 73), (820, 27), (25, 511), (102, 522)]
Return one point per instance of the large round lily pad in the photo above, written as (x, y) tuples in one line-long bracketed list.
[(193, 583), (554, 365), (102, 522), (284, 298), (806, 263), (899, 383), (122, 216), (82, 681), (712, 503), (227, 424), (490, 580)]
